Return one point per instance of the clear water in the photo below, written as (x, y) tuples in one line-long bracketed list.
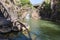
[(40, 30)]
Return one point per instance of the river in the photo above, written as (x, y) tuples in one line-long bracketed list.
[(40, 30)]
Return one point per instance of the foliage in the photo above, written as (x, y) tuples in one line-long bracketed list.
[(52, 14), (24, 2), (47, 1)]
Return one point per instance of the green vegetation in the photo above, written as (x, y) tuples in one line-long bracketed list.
[(51, 11), (24, 2), (47, 1)]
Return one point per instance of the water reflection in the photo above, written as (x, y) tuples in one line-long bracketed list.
[(44, 30), (15, 36), (23, 37), (40, 30)]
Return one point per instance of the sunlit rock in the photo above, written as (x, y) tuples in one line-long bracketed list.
[(35, 15), (27, 29)]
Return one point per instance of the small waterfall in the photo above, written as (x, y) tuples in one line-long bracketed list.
[(27, 16)]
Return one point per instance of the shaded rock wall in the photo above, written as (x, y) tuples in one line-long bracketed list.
[(50, 11)]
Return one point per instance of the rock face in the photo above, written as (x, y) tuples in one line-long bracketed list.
[(27, 12), (10, 8), (9, 16), (50, 11), (5, 23), (35, 15)]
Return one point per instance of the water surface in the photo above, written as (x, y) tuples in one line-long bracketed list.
[(40, 30)]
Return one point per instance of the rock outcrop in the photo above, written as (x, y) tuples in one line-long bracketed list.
[(10, 11)]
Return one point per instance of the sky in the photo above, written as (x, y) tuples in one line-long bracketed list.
[(36, 1)]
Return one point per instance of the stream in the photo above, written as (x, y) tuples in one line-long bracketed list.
[(40, 30)]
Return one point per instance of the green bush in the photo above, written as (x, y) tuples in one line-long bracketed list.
[(24, 2)]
